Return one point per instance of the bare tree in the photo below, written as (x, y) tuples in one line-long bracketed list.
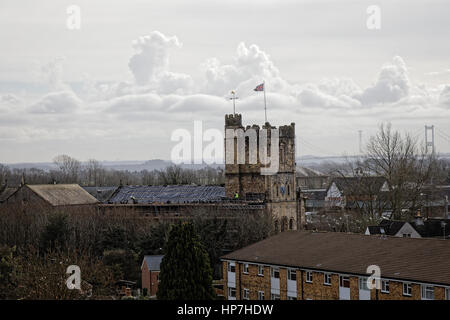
[(69, 168), (407, 168)]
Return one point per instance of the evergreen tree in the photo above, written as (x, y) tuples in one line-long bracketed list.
[(56, 232), (185, 269)]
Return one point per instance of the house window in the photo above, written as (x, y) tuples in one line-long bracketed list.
[(447, 293), (260, 295), (246, 294), (344, 282), (292, 275), (407, 235), (309, 276), (385, 286), (327, 279), (260, 270), (363, 284), (427, 292), (275, 273), (292, 298), (407, 289), (275, 296), (246, 268), (232, 292), (231, 267)]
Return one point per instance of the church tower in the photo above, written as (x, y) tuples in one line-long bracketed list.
[(244, 180)]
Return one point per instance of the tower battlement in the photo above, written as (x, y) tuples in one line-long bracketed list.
[(233, 120)]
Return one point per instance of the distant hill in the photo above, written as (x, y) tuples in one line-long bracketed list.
[(159, 164)]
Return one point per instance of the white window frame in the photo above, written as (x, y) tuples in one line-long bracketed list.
[(274, 271), (261, 270), (408, 287), (230, 289), (327, 279), (423, 289), (246, 268), (447, 293), (274, 295), (231, 264), (292, 272), (246, 294), (308, 277), (343, 279), (261, 295), (384, 285), (362, 284)]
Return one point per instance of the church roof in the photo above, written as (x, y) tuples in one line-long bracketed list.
[(167, 194)]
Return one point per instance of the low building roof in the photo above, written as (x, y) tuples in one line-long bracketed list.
[(166, 194), (102, 194), (153, 262), (419, 260), (6, 193), (63, 194)]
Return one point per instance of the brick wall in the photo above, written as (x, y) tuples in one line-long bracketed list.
[(316, 290), (145, 278), (149, 280)]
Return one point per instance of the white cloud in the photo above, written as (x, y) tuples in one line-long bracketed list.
[(150, 64), (392, 84), (57, 102)]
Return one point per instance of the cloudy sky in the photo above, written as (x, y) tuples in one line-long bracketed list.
[(137, 70)]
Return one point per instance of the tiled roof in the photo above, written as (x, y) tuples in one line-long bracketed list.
[(420, 260), (167, 194), (6, 193), (102, 194), (63, 194), (352, 185), (153, 262)]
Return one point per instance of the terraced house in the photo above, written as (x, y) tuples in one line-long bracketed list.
[(306, 265)]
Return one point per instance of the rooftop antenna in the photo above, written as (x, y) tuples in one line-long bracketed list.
[(234, 98)]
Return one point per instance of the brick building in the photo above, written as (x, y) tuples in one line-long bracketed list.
[(304, 265), (150, 273)]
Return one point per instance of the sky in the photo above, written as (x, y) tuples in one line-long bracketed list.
[(135, 71)]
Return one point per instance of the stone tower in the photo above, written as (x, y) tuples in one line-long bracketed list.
[(246, 180)]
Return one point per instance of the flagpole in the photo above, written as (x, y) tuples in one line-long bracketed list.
[(265, 105)]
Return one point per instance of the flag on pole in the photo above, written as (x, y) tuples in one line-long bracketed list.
[(259, 87)]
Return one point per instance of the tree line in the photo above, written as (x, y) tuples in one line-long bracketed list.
[(93, 173)]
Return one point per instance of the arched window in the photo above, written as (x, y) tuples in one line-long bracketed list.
[(289, 189), (291, 224)]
